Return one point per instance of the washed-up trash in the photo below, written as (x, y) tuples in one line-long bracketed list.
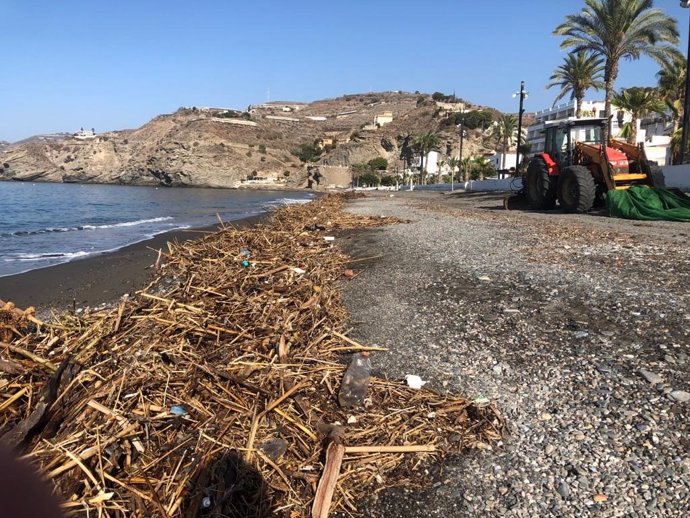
[(348, 273), (245, 252), (414, 381), (329, 238), (298, 271), (484, 278), (275, 448), (206, 502), (482, 400), (355, 383), (179, 410), (245, 263)]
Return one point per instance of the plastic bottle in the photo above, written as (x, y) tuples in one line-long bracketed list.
[(353, 388)]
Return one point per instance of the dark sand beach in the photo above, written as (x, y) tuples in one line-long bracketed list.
[(98, 279)]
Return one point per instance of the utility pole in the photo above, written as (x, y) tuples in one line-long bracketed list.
[(686, 103), (462, 138), (523, 96)]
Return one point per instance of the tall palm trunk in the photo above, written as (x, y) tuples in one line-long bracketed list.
[(421, 168), (578, 104), (610, 76), (632, 138)]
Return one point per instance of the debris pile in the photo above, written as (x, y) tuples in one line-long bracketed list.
[(214, 391)]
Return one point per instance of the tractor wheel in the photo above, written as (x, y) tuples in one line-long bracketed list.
[(576, 189), (540, 188)]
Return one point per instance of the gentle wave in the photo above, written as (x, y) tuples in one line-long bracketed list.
[(51, 255), (286, 201), (130, 223), (85, 227)]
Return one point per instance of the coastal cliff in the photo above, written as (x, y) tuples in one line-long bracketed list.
[(268, 145)]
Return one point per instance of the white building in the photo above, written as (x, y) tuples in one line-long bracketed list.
[(502, 163)]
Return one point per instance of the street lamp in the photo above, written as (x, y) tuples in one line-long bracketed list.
[(523, 95), (686, 104)]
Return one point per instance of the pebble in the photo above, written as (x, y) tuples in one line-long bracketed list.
[(650, 376), (564, 489), (681, 396)]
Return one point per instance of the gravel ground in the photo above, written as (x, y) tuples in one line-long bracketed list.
[(576, 326)]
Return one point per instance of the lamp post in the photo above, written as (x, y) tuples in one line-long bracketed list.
[(686, 103), (523, 96)]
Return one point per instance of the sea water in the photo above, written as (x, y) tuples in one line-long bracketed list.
[(43, 224)]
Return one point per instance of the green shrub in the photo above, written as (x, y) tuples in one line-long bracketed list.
[(249, 154), (378, 164), (262, 148), (286, 173), (370, 179), (389, 181)]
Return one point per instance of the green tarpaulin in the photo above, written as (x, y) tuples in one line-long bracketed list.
[(648, 204)]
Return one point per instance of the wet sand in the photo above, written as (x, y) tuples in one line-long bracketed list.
[(98, 279)]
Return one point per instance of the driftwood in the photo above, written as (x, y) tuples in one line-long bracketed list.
[(335, 450), (164, 405)]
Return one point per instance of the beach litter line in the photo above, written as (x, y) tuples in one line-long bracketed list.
[(215, 390)]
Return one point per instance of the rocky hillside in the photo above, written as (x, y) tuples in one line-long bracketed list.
[(224, 148)]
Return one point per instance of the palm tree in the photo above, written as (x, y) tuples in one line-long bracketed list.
[(671, 80), (481, 166), (617, 29), (453, 163), (504, 131), (579, 72), (424, 144), (639, 102)]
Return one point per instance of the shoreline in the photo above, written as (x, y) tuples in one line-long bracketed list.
[(101, 278)]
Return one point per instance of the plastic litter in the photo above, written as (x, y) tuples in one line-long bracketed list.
[(206, 502), (245, 263), (275, 448), (179, 410), (414, 381), (245, 252), (355, 383), (329, 238)]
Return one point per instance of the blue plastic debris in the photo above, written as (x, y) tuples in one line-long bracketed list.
[(178, 410)]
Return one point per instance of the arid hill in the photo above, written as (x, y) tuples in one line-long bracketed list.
[(209, 147)]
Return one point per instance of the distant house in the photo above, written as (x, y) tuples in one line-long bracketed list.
[(325, 142), (383, 118), (283, 106), (85, 135), (501, 162), (450, 107)]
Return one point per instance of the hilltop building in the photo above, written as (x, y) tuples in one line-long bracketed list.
[(85, 135), (383, 118)]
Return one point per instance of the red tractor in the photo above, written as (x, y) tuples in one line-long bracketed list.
[(577, 170)]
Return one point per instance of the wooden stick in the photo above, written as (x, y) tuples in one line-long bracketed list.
[(93, 450), (16, 349), (329, 478), (356, 345), (391, 449), (360, 259)]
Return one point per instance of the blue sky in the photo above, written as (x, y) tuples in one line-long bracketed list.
[(116, 64)]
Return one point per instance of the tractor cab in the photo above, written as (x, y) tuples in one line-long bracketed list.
[(561, 137)]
